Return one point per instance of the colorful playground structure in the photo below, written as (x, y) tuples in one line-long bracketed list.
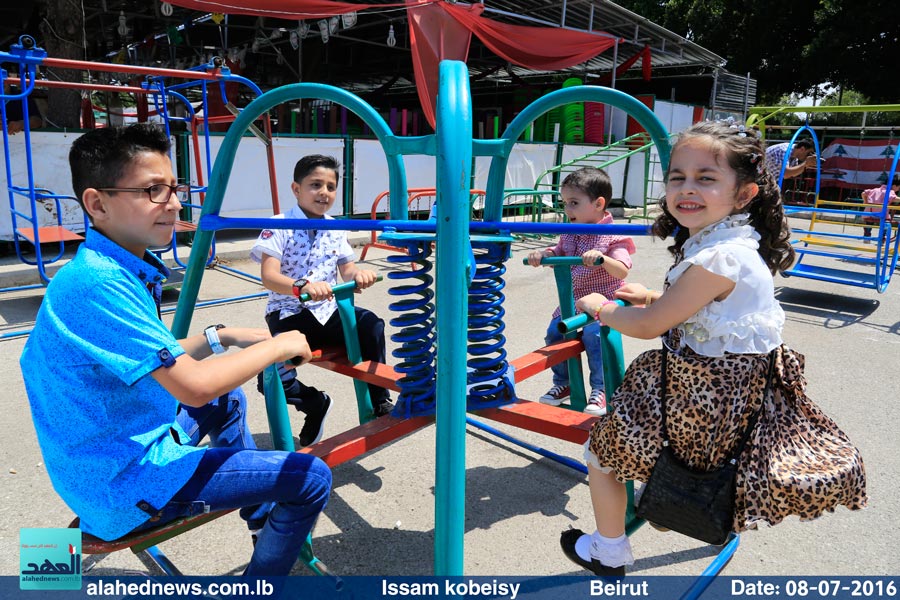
[(832, 247), (165, 88), (470, 363)]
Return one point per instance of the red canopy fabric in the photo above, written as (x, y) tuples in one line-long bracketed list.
[(434, 36), (538, 48), (441, 31), (643, 54)]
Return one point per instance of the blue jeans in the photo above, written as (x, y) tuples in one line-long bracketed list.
[(590, 337), (281, 492)]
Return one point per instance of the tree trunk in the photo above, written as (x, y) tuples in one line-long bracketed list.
[(62, 31)]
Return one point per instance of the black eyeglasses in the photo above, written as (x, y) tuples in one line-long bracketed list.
[(158, 193)]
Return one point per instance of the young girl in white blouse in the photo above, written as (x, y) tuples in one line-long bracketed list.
[(720, 321)]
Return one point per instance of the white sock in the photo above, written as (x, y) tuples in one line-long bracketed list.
[(612, 552)]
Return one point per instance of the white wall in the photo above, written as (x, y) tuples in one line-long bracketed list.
[(370, 175), (50, 151), (526, 163), (248, 193)]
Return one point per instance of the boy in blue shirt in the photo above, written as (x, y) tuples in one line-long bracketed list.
[(119, 420)]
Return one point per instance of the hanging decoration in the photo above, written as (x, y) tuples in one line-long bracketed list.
[(123, 25), (333, 25), (391, 40), (217, 18), (166, 9), (348, 20), (295, 39), (303, 29), (323, 29)]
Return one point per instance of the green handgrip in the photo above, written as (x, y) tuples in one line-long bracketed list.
[(340, 289), (564, 260)]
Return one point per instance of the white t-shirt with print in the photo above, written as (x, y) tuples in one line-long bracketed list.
[(304, 254)]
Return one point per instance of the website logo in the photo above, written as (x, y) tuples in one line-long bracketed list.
[(50, 559)]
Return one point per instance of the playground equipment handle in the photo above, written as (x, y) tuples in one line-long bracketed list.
[(564, 260), (339, 289), (315, 355), (578, 321)]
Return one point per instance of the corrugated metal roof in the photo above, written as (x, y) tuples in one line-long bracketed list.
[(358, 58), (668, 49)]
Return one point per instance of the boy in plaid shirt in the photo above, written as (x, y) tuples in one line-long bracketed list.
[(585, 194)]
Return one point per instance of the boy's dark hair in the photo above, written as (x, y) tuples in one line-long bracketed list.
[(100, 157), (592, 181), (804, 143), (311, 162), (895, 180), (744, 153)]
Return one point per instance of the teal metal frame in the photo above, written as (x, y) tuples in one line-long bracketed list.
[(454, 148)]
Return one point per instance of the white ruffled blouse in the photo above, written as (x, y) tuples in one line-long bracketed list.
[(749, 320)]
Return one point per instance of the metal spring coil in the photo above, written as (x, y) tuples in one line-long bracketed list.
[(415, 323), (487, 378)]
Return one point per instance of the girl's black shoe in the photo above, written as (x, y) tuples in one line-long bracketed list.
[(568, 539)]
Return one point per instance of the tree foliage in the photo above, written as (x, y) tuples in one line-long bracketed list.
[(793, 46)]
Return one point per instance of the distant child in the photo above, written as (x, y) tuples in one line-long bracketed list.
[(723, 321), (874, 198), (585, 194), (308, 261)]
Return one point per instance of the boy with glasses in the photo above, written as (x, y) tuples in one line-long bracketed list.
[(119, 420)]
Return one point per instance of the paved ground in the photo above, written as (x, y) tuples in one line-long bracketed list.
[(380, 518)]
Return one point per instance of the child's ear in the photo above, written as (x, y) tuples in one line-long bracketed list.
[(600, 203), (747, 194), (94, 204), (295, 188)]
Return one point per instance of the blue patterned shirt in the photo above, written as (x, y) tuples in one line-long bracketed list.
[(106, 428)]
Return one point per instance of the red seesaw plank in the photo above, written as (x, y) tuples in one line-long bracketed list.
[(531, 364), (382, 375), (365, 438), (560, 423), (50, 234)]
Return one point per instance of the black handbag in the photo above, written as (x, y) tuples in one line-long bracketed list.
[(698, 504)]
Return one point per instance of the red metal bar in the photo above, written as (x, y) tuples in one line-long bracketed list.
[(83, 65), (365, 438), (270, 154), (48, 83), (554, 421), (542, 359)]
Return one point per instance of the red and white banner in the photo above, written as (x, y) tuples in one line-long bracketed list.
[(857, 164)]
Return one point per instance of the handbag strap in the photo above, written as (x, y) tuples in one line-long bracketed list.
[(751, 423)]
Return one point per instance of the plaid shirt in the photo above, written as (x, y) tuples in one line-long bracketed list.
[(587, 280), (775, 158)]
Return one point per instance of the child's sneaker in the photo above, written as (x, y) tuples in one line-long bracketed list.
[(556, 395), (596, 404)]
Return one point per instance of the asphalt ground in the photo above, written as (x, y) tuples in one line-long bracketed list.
[(380, 519)]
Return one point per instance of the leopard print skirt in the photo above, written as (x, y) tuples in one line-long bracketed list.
[(797, 462)]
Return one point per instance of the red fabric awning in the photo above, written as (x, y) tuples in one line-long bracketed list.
[(442, 31)]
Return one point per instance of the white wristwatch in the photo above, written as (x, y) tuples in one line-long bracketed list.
[(212, 338)]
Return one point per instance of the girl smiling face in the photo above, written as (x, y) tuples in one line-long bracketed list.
[(702, 188)]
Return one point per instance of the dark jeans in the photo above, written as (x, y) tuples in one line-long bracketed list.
[(371, 345), (281, 492)]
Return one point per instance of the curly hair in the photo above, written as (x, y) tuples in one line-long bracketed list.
[(744, 153)]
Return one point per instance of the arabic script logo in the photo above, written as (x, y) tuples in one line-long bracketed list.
[(50, 559)]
